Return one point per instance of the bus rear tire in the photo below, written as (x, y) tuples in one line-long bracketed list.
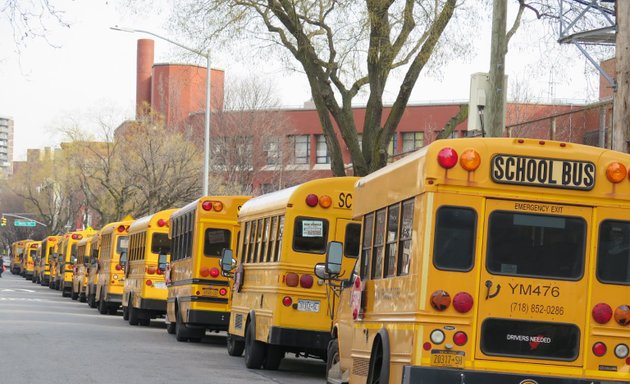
[(170, 328), (102, 306), (91, 300), (235, 347), (125, 313), (133, 314), (75, 295), (333, 371), (254, 349)]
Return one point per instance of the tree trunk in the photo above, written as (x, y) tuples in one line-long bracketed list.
[(494, 110), (621, 109)]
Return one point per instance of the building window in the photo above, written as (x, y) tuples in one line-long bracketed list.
[(412, 141), (322, 150), (272, 151), (393, 144), (301, 148)]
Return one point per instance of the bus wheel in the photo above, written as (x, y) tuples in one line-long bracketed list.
[(170, 328), (235, 346), (75, 295), (102, 306), (125, 313), (133, 314), (180, 331), (91, 300), (378, 373), (333, 370), (275, 354), (254, 349)]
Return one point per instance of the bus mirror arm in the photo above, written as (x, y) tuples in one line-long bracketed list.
[(227, 262)]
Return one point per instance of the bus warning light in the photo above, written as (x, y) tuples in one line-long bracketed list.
[(470, 160), (206, 205), (447, 158), (161, 223), (616, 172), (312, 200), (602, 313), (325, 201), (217, 206)]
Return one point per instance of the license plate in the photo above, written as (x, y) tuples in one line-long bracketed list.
[(159, 284), (212, 292), (308, 305), (447, 359)]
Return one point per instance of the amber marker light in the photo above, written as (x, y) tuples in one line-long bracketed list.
[(616, 172), (470, 160), (217, 206), (325, 201), (622, 315)]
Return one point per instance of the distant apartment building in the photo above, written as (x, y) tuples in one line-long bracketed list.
[(6, 145)]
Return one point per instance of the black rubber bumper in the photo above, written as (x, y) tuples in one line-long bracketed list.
[(299, 338), (153, 305), (113, 298), (212, 320), (427, 375)]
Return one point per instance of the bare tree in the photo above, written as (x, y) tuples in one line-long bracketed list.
[(343, 48), (31, 19)]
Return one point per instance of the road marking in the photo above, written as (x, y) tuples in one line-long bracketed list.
[(18, 299), (17, 290)]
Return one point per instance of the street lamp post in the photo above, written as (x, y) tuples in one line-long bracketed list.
[(206, 141)]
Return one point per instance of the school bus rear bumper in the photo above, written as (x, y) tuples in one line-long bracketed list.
[(113, 298), (209, 319), (153, 305), (428, 375), (299, 338)]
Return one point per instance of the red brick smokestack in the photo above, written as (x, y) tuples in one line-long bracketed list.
[(143, 76)]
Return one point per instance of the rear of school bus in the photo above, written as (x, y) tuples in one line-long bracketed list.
[(17, 249), (92, 270), (514, 273), (67, 259), (28, 260), (198, 294), (48, 247), (145, 292), (114, 241), (278, 305), (80, 267)]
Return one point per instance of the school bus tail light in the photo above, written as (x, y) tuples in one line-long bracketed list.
[(287, 301), (121, 228), (291, 279), (440, 300), (162, 223), (151, 270), (462, 302), (76, 236), (447, 158), (222, 291), (622, 315), (118, 267), (602, 313), (460, 338), (149, 283), (616, 172), (470, 160), (214, 272), (621, 351), (599, 349), (306, 281), (312, 200)]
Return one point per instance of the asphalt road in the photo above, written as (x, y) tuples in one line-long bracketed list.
[(46, 338)]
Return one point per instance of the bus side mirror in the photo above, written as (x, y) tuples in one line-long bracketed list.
[(227, 261), (320, 271), (334, 255)]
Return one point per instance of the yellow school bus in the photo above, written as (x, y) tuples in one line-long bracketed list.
[(28, 259), (491, 261), (91, 272), (17, 250), (278, 306), (198, 295), (67, 259), (145, 292), (46, 252), (37, 265), (111, 263), (80, 277)]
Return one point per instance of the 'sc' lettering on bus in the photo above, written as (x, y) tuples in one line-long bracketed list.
[(345, 200)]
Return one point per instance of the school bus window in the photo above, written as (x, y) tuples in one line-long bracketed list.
[(379, 239), (259, 244), (406, 229), (216, 241), (265, 250), (392, 240), (160, 243), (352, 240), (123, 244), (310, 235), (279, 241), (368, 228), (252, 242), (272, 238), (613, 254), (536, 245), (454, 243)]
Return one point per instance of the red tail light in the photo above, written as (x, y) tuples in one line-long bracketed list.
[(602, 313), (148, 283), (151, 270), (159, 271), (121, 228), (222, 291), (447, 158), (599, 349), (312, 200), (306, 281), (460, 338), (440, 300), (292, 279), (426, 346), (462, 302), (214, 272), (161, 223), (205, 272), (118, 267), (206, 205), (287, 301)]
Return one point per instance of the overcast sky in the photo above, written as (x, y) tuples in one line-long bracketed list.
[(88, 69)]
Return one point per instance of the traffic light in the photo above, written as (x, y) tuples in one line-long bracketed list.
[(3, 221)]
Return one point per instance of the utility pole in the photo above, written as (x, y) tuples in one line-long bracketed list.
[(621, 109), (495, 108)]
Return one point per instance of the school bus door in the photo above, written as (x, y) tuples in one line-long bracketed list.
[(533, 284)]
